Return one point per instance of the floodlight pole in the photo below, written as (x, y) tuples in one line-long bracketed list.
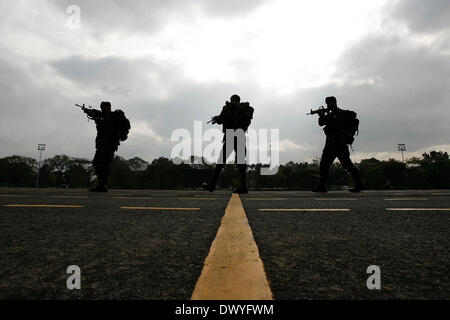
[(402, 147), (41, 147)]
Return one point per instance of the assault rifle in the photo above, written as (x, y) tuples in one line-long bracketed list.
[(91, 113), (322, 109)]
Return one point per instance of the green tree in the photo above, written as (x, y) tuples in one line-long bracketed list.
[(395, 172), (372, 174), (437, 166)]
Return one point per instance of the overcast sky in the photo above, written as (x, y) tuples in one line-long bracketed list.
[(168, 63)]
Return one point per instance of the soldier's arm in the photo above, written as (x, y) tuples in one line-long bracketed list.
[(221, 117), (323, 120), (92, 113), (249, 118)]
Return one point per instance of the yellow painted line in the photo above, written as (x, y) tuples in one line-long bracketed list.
[(160, 208), (265, 199), (41, 206), (418, 209), (70, 197), (126, 198), (336, 199), (406, 199), (304, 210), (233, 269), (12, 195), (197, 198)]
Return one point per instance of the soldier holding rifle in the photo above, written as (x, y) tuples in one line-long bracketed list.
[(235, 118), (340, 128), (112, 127)]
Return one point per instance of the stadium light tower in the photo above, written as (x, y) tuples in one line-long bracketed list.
[(41, 147), (402, 148)]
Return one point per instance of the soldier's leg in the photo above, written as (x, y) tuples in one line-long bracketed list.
[(240, 147), (220, 165), (328, 157), (108, 158), (97, 163), (99, 168), (344, 158), (218, 169)]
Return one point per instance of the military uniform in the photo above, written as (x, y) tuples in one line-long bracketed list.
[(233, 117), (106, 144), (336, 146)]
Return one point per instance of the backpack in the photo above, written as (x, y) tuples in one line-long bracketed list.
[(350, 126), (121, 125)]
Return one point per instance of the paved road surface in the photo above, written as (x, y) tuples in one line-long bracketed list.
[(153, 244)]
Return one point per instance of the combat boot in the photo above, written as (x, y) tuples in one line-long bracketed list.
[(208, 187), (243, 173), (358, 188), (241, 190), (358, 183), (100, 188), (320, 189)]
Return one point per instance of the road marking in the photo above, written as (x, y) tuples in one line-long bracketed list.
[(126, 198), (406, 199), (233, 269), (336, 199), (265, 199), (41, 206), (197, 198), (304, 210), (418, 209), (70, 197), (12, 195), (160, 208)]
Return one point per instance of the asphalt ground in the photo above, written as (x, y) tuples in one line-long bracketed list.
[(325, 255), (122, 254), (159, 253)]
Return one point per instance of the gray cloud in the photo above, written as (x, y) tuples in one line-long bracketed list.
[(423, 16), (145, 16), (399, 87)]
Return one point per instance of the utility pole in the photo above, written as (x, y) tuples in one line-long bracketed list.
[(41, 147), (402, 148)]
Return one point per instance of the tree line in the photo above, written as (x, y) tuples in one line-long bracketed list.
[(432, 170)]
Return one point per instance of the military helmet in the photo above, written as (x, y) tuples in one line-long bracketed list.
[(235, 98), (330, 100), (105, 105)]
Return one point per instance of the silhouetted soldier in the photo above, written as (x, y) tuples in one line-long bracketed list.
[(112, 127), (235, 117), (340, 127)]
